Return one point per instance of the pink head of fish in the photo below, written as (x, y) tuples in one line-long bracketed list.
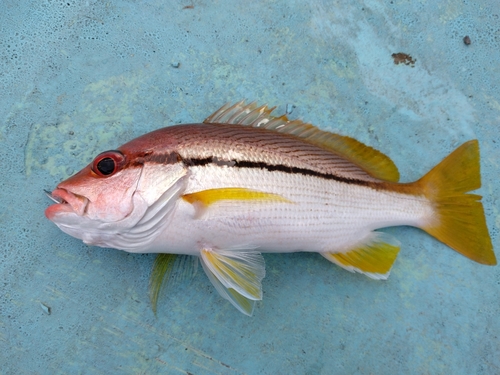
[(114, 192)]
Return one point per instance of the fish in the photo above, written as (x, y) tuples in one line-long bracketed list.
[(245, 182)]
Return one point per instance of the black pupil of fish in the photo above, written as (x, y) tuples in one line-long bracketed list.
[(106, 166)]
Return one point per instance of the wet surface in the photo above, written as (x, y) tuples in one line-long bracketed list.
[(80, 78)]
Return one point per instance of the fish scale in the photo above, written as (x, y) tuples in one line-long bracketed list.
[(245, 182), (351, 214)]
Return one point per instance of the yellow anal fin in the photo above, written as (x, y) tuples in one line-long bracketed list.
[(374, 257), (211, 196)]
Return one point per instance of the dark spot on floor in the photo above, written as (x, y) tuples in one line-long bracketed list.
[(403, 58)]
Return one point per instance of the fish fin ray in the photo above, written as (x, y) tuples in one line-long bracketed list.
[(170, 270), (459, 219), (374, 257), (372, 161), (241, 270), (162, 268), (243, 304)]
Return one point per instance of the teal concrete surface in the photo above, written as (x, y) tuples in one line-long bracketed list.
[(81, 77)]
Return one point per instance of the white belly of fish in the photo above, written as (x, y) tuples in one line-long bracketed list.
[(316, 215)]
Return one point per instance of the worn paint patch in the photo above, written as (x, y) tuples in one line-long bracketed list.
[(106, 106)]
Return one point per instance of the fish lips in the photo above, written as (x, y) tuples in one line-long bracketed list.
[(66, 203)]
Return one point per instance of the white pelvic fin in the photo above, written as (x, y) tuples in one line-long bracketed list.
[(243, 304), (236, 274), (374, 257)]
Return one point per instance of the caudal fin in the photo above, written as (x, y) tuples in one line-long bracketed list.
[(459, 219)]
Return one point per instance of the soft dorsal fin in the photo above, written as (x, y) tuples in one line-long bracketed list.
[(372, 161)]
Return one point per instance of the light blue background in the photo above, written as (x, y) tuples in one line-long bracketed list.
[(81, 77)]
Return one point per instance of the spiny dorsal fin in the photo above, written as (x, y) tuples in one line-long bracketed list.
[(372, 161)]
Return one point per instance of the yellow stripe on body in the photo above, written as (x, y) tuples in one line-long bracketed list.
[(211, 196)]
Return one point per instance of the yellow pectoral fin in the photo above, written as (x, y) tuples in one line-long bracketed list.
[(211, 196), (374, 258)]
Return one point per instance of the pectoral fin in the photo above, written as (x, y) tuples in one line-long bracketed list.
[(374, 257), (236, 274)]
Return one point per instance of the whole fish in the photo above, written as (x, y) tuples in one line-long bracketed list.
[(244, 182)]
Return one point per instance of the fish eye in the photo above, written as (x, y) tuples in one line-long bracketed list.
[(108, 163), (106, 166)]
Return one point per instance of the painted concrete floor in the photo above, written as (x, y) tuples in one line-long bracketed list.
[(78, 78)]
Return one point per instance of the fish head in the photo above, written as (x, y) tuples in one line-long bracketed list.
[(114, 199), (101, 191)]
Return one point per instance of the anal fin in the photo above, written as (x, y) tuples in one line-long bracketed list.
[(374, 257)]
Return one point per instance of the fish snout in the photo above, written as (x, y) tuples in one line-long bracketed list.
[(66, 201)]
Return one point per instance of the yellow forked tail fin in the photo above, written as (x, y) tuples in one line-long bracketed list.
[(459, 219)]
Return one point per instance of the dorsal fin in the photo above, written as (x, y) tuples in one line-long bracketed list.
[(372, 161)]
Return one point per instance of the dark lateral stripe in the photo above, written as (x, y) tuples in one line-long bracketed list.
[(150, 157), (174, 157), (274, 167)]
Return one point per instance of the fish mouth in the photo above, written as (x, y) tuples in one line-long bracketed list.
[(65, 201)]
